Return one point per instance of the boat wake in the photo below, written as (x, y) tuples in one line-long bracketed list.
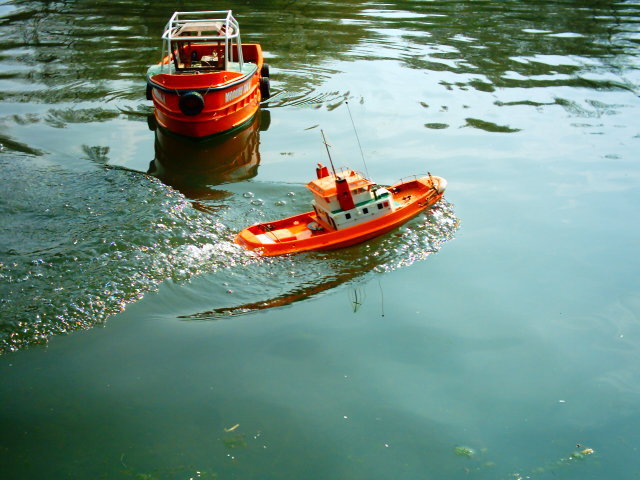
[(78, 247), (286, 280), (73, 253)]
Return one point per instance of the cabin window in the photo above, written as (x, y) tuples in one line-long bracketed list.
[(379, 206), (347, 216), (365, 210), (386, 204)]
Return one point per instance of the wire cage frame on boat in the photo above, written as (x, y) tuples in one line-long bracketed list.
[(198, 27)]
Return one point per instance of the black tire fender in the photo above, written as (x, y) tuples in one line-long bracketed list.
[(151, 122), (149, 92), (191, 103), (264, 71), (265, 88)]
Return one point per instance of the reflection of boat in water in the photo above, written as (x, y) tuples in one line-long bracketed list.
[(208, 81), (190, 165), (347, 209), (324, 271)]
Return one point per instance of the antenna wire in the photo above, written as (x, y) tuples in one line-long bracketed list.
[(358, 139)]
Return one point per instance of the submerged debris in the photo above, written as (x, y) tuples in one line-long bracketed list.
[(231, 429), (462, 451), (581, 453), (237, 441), (478, 464)]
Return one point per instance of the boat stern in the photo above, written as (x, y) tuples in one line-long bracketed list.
[(247, 239)]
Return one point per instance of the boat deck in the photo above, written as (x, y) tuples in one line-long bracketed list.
[(299, 232), (293, 228), (246, 68)]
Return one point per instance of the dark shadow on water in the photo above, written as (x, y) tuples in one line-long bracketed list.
[(10, 144), (192, 166), (293, 296)]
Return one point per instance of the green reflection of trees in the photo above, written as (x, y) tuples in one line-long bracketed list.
[(83, 50), (65, 51), (491, 38)]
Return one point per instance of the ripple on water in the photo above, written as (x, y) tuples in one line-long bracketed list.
[(284, 280), (307, 99), (77, 247)]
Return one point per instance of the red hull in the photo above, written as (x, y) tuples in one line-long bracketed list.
[(229, 99)]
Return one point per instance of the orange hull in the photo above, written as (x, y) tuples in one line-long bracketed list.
[(292, 235), (228, 99)]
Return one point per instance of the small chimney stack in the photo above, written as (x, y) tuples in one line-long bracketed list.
[(322, 171), (344, 194)]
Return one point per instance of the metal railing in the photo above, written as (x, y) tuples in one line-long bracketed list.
[(416, 176), (181, 24)]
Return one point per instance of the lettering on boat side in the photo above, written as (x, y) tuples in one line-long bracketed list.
[(233, 94)]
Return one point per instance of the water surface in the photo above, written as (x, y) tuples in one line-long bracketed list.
[(491, 338)]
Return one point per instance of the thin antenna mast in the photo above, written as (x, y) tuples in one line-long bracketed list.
[(324, 140), (357, 138)]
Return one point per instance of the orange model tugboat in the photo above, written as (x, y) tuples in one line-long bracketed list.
[(347, 209), (208, 81)]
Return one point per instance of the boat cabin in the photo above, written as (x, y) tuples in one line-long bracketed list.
[(346, 198), (202, 41)]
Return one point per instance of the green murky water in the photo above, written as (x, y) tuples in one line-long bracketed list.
[(496, 337)]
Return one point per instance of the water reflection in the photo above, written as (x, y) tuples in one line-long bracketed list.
[(357, 295), (191, 166), (289, 279), (536, 301)]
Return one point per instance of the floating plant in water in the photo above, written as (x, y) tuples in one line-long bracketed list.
[(464, 451), (236, 441), (550, 467)]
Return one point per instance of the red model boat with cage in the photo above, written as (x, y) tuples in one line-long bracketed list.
[(208, 81)]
